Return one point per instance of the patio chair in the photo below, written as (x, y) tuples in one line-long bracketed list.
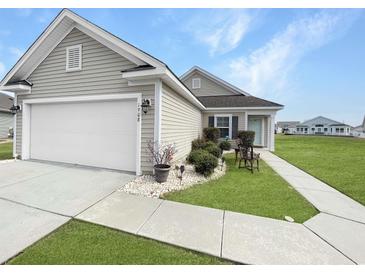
[(249, 156)]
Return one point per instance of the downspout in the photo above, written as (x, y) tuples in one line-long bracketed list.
[(158, 103)]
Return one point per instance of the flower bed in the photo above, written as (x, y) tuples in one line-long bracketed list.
[(147, 186)]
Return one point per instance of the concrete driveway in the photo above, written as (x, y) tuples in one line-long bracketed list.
[(36, 198)]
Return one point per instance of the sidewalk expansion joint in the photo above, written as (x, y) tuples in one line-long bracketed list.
[(149, 217)]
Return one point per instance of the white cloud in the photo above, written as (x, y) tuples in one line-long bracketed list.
[(24, 12), (16, 51), (267, 69), (221, 30)]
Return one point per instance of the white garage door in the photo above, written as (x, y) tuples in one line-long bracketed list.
[(99, 134)]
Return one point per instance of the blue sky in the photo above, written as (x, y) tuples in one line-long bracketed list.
[(310, 60)]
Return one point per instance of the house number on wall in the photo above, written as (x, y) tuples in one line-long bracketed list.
[(138, 112)]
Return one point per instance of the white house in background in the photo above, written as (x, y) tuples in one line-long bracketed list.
[(323, 126), (6, 117), (359, 131), (288, 127)]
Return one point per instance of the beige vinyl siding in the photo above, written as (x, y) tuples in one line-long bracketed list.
[(100, 74), (181, 122), (207, 86), (241, 118), (6, 121)]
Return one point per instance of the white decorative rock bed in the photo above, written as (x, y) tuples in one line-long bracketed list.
[(146, 185)]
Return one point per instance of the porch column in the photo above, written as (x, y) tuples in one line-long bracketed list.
[(271, 124), (246, 121)]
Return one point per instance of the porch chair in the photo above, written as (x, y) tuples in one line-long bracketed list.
[(248, 155)]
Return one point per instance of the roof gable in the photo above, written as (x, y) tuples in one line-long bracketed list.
[(59, 28), (320, 120), (218, 81)]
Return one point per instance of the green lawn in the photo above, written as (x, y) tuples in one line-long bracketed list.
[(83, 243), (6, 151), (263, 193), (338, 161)]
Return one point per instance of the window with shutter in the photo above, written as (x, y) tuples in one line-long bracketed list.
[(73, 58)]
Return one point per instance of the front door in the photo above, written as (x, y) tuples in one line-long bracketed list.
[(255, 124)]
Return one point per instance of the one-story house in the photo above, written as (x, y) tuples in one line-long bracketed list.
[(359, 131), (6, 117), (324, 126), (87, 97), (288, 127)]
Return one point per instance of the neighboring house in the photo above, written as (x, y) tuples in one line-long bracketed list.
[(90, 98), (359, 131), (6, 117), (288, 127), (323, 126), (231, 109)]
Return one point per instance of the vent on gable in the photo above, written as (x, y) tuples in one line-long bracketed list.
[(73, 58), (195, 83)]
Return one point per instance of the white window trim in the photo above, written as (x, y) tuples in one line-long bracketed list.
[(230, 122), (67, 53), (85, 98), (192, 83)]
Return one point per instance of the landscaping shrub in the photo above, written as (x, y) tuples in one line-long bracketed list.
[(205, 163), (209, 144), (246, 137), (211, 134), (194, 155), (225, 145), (198, 144), (214, 150)]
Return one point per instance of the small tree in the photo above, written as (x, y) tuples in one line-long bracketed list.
[(211, 134), (161, 154), (246, 137)]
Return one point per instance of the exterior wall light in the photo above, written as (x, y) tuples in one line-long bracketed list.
[(146, 104), (15, 109)]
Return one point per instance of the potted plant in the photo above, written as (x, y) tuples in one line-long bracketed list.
[(161, 156)]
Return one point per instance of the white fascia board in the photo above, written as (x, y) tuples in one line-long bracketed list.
[(17, 88), (186, 74), (45, 54), (109, 40), (109, 44), (144, 74), (83, 23), (31, 50), (184, 91), (137, 77), (214, 79)]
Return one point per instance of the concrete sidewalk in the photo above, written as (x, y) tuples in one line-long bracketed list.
[(239, 237), (341, 222), (322, 196)]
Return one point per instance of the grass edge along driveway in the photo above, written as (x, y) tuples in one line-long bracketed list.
[(337, 161), (6, 151), (263, 193), (82, 243)]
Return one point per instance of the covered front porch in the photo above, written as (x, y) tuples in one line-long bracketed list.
[(231, 122)]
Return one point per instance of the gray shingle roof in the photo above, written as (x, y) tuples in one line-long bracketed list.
[(288, 123), (229, 101), (138, 68)]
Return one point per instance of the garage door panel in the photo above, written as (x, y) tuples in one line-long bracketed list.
[(101, 134)]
